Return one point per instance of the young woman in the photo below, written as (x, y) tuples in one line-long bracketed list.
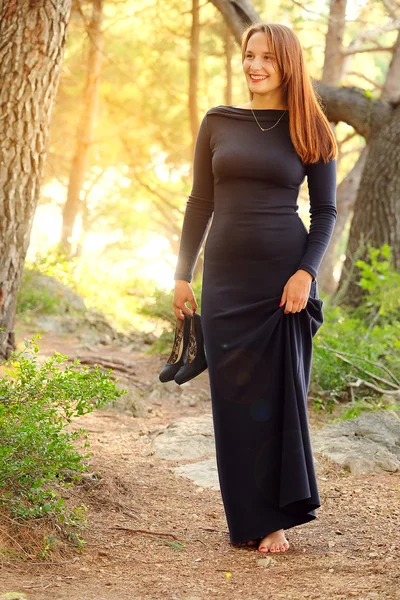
[(260, 303)]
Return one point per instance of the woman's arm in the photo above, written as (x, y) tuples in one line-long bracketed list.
[(321, 179), (199, 206)]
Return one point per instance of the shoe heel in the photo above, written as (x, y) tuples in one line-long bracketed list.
[(194, 356), (177, 356), (177, 347), (192, 344)]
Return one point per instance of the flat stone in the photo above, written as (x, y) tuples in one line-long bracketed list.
[(369, 443), (203, 473), (187, 438)]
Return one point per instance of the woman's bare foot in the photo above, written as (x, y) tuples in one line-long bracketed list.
[(274, 542)]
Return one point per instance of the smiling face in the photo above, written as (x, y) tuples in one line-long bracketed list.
[(261, 69)]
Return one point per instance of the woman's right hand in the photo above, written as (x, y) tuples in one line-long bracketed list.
[(183, 293)]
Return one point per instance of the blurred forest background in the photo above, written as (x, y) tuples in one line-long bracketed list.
[(100, 105), (135, 81), (101, 210)]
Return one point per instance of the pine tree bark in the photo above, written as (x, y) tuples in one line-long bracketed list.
[(377, 204), (32, 42), (377, 207)]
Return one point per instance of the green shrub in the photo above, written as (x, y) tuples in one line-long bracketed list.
[(361, 343), (37, 454), (33, 298), (382, 282), (99, 282)]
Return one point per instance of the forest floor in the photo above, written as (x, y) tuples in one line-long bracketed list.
[(152, 534)]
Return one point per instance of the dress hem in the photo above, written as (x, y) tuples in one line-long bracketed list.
[(258, 536)]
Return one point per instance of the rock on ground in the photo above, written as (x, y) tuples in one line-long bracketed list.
[(186, 438), (369, 443)]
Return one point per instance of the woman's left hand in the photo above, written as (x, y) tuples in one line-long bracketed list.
[(296, 292)]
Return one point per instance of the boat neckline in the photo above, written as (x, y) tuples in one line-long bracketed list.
[(246, 114), (255, 109)]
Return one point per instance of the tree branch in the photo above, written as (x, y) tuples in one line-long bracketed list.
[(237, 15), (377, 85), (372, 34), (353, 106), (378, 48), (392, 7)]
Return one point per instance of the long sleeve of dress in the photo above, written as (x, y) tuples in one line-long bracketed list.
[(199, 206), (321, 179)]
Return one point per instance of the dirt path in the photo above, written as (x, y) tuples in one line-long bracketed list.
[(351, 551)]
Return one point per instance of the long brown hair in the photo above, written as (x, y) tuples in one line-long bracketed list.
[(310, 131)]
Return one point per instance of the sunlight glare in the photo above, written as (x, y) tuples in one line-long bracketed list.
[(153, 260)]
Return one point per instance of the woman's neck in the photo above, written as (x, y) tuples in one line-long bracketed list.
[(272, 101)]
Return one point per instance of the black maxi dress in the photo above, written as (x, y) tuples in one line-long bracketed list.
[(246, 183)]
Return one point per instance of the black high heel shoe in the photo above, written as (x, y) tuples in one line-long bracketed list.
[(194, 356), (176, 358)]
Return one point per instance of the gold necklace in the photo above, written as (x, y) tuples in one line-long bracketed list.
[(268, 128)]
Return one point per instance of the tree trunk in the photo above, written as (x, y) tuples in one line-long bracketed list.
[(84, 138), (32, 42), (193, 89), (377, 206), (194, 72), (229, 46), (346, 197), (333, 59), (332, 73), (378, 199), (391, 88)]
